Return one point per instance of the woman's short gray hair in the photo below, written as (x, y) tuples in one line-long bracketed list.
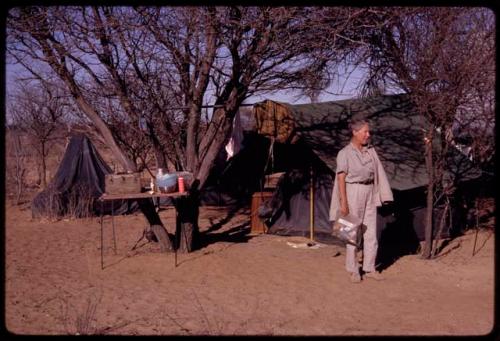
[(357, 123)]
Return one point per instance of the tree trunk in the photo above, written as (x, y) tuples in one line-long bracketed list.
[(148, 209), (426, 254), (44, 167), (161, 160), (216, 134), (442, 224), (146, 206), (162, 237), (187, 231), (19, 171)]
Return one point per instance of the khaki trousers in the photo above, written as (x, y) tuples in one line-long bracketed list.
[(361, 204)]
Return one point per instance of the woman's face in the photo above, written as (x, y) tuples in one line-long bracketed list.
[(362, 134)]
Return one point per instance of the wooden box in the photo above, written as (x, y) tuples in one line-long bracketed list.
[(256, 224), (125, 183), (271, 180)]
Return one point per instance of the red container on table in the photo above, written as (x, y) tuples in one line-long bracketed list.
[(180, 181)]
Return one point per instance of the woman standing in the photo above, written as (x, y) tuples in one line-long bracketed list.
[(360, 186)]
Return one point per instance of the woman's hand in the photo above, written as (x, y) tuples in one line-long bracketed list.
[(344, 209)]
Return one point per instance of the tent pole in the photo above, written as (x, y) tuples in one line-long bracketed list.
[(102, 242), (311, 208)]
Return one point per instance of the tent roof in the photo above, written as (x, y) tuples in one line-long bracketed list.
[(397, 133)]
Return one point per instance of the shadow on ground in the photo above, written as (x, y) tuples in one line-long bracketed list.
[(235, 234)]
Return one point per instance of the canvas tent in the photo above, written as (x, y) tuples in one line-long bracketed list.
[(316, 132), (77, 184)]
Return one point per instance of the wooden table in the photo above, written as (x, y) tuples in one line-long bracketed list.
[(128, 196)]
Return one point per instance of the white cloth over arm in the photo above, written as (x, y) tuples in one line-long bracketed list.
[(382, 190)]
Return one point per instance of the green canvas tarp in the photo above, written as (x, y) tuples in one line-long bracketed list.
[(322, 128), (397, 133)]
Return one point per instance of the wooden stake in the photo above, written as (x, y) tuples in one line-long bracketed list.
[(477, 227), (311, 208)]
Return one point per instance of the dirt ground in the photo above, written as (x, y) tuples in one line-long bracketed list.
[(236, 284)]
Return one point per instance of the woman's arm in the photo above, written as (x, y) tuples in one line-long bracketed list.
[(344, 207)]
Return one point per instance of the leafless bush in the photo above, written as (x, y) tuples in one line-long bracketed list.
[(48, 204), (80, 202), (76, 321), (38, 111), (86, 321), (16, 165)]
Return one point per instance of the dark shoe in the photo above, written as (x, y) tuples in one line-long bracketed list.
[(375, 275)]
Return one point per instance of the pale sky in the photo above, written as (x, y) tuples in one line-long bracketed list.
[(340, 89)]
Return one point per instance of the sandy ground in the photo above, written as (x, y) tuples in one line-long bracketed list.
[(236, 284)]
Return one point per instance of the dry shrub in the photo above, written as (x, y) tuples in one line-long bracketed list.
[(80, 202), (485, 213), (48, 204), (74, 320), (17, 165), (85, 323)]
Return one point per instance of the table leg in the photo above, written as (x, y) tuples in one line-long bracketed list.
[(176, 244), (102, 239), (113, 224)]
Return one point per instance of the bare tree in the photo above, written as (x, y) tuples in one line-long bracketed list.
[(39, 111), (444, 58), (52, 36), (148, 61), (16, 162), (229, 54), (226, 54)]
